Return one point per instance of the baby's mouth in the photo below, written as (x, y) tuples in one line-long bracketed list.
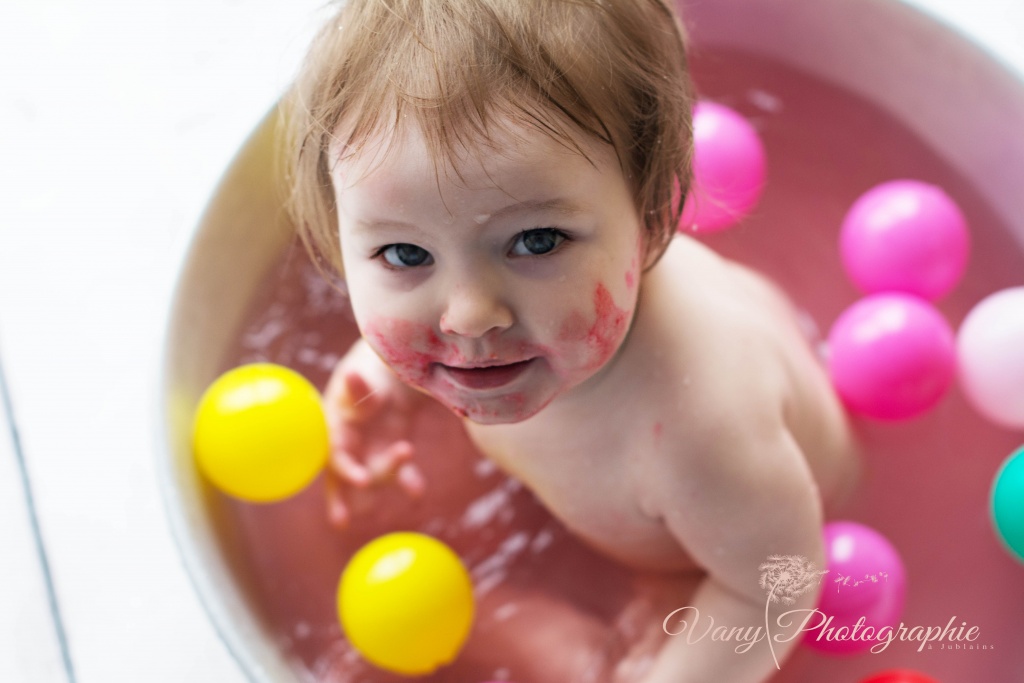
[(489, 377)]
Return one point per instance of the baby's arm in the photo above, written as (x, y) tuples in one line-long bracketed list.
[(369, 416), (749, 495)]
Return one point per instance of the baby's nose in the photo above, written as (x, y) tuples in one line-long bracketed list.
[(474, 310)]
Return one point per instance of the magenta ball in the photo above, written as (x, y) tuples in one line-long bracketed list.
[(899, 676), (728, 169), (891, 356), (905, 236), (866, 579)]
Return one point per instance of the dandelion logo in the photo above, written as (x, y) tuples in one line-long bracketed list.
[(786, 577)]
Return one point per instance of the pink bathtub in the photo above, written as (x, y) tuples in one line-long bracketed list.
[(846, 93)]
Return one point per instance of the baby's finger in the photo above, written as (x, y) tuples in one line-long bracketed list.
[(411, 480), (337, 512), (384, 465), (348, 469), (361, 399), (346, 436)]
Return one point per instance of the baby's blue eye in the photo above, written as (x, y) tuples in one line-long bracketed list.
[(536, 242), (406, 256)]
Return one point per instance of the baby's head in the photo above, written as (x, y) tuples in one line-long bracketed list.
[(492, 176)]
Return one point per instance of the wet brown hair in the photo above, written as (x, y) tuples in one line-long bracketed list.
[(615, 70)]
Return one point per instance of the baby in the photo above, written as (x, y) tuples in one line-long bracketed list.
[(500, 183)]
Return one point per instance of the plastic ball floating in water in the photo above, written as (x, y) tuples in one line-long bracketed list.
[(405, 601), (728, 169), (1008, 503), (866, 579), (899, 676), (891, 356), (905, 236), (990, 352), (260, 433)]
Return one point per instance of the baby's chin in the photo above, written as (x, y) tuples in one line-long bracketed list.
[(491, 419), (476, 399), (509, 409)]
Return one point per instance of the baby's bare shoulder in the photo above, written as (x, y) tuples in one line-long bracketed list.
[(726, 336), (753, 385)]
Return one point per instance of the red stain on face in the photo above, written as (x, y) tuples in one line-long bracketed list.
[(408, 347), (657, 432), (632, 272), (414, 350), (603, 336), (584, 343)]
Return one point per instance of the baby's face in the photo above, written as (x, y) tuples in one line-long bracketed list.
[(498, 285)]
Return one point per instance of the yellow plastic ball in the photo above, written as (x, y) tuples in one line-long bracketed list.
[(260, 433), (405, 601)]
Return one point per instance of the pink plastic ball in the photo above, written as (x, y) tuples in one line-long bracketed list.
[(891, 356), (990, 350), (866, 579), (905, 236), (728, 169), (899, 676)]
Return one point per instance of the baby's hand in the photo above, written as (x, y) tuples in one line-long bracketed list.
[(639, 627), (369, 417)]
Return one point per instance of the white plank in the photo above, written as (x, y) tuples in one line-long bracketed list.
[(29, 645), (116, 120), (998, 25)]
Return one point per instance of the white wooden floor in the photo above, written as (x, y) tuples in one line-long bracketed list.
[(116, 119)]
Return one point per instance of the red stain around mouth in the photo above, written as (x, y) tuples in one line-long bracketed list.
[(409, 348), (412, 349)]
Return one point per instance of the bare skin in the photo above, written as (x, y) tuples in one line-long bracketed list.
[(674, 418)]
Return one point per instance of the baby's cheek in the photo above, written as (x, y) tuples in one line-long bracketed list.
[(633, 273), (596, 341), (407, 347)]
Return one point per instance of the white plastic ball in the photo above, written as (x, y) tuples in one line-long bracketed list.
[(990, 349)]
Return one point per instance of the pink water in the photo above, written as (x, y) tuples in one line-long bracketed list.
[(927, 480)]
